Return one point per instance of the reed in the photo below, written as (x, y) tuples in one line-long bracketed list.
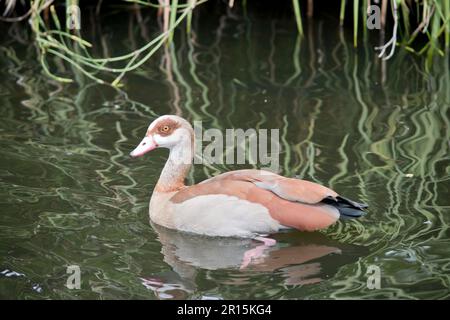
[(298, 16), (429, 18)]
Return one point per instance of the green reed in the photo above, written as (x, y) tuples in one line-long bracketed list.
[(431, 18)]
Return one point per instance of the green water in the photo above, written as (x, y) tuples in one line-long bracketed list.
[(373, 131)]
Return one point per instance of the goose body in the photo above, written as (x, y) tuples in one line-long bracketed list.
[(242, 203)]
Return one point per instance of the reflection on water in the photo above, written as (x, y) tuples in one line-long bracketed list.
[(296, 260), (374, 131)]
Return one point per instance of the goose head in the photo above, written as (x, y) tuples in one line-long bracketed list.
[(168, 131)]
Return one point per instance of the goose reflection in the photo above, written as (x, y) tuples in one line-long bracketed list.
[(300, 259)]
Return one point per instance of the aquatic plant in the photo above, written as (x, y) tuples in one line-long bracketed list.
[(431, 18)]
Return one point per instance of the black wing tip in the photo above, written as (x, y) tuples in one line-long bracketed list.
[(348, 209), (352, 203), (350, 213)]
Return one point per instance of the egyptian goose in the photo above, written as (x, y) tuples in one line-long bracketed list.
[(242, 203)]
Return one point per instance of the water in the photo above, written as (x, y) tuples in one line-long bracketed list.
[(373, 131)]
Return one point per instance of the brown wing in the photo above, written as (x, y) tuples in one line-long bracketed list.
[(286, 188)]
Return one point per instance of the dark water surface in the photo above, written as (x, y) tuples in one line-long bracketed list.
[(374, 131)]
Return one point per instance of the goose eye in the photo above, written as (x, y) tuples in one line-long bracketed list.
[(165, 128)]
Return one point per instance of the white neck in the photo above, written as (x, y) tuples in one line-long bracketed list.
[(177, 166)]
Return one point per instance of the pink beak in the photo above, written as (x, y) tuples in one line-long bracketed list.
[(147, 144)]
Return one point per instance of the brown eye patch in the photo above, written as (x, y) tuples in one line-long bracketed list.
[(164, 127)]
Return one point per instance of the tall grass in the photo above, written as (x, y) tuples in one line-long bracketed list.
[(431, 18)]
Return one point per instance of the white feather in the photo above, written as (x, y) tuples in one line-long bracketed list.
[(224, 216)]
